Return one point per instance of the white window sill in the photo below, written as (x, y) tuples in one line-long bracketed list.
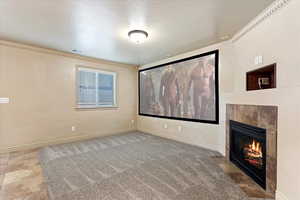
[(83, 107)]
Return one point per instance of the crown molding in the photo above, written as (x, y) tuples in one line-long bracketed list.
[(268, 12), (210, 47), (39, 49)]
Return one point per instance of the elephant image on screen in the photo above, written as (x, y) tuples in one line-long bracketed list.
[(185, 89)]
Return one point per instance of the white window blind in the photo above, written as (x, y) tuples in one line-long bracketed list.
[(95, 88)]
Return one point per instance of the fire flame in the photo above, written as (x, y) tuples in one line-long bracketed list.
[(255, 149), (253, 153)]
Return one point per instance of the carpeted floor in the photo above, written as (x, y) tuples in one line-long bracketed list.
[(135, 166)]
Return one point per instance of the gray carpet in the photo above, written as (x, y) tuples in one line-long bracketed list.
[(135, 166)]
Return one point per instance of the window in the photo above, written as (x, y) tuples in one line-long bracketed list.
[(95, 88)]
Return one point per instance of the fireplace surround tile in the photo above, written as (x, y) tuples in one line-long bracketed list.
[(271, 170), (271, 143), (263, 117), (267, 117)]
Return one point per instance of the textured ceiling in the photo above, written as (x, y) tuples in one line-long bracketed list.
[(98, 28)]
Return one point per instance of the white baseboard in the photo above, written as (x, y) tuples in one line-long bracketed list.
[(280, 196), (57, 141), (158, 133)]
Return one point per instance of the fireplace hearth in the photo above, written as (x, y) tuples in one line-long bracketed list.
[(248, 150)]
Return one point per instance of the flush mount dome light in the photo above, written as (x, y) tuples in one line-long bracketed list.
[(138, 36)]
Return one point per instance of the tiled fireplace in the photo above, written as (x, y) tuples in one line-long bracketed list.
[(251, 142), (248, 150)]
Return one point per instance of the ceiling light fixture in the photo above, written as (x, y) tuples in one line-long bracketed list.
[(138, 36)]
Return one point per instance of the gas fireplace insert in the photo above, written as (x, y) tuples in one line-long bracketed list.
[(248, 150)]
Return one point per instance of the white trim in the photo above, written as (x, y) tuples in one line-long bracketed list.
[(97, 82), (115, 90), (81, 105), (269, 11), (186, 54), (280, 196), (39, 49), (96, 70), (95, 106), (44, 143)]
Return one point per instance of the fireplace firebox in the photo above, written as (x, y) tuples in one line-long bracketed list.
[(248, 150)]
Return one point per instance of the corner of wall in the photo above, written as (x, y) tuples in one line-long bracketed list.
[(280, 196)]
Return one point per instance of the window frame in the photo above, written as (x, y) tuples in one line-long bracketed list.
[(101, 71)]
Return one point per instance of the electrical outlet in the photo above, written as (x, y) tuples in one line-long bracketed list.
[(165, 126), (179, 128), (73, 128)]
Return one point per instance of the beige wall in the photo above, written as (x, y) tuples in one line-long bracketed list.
[(277, 39), (205, 135), (33, 81), (41, 87)]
